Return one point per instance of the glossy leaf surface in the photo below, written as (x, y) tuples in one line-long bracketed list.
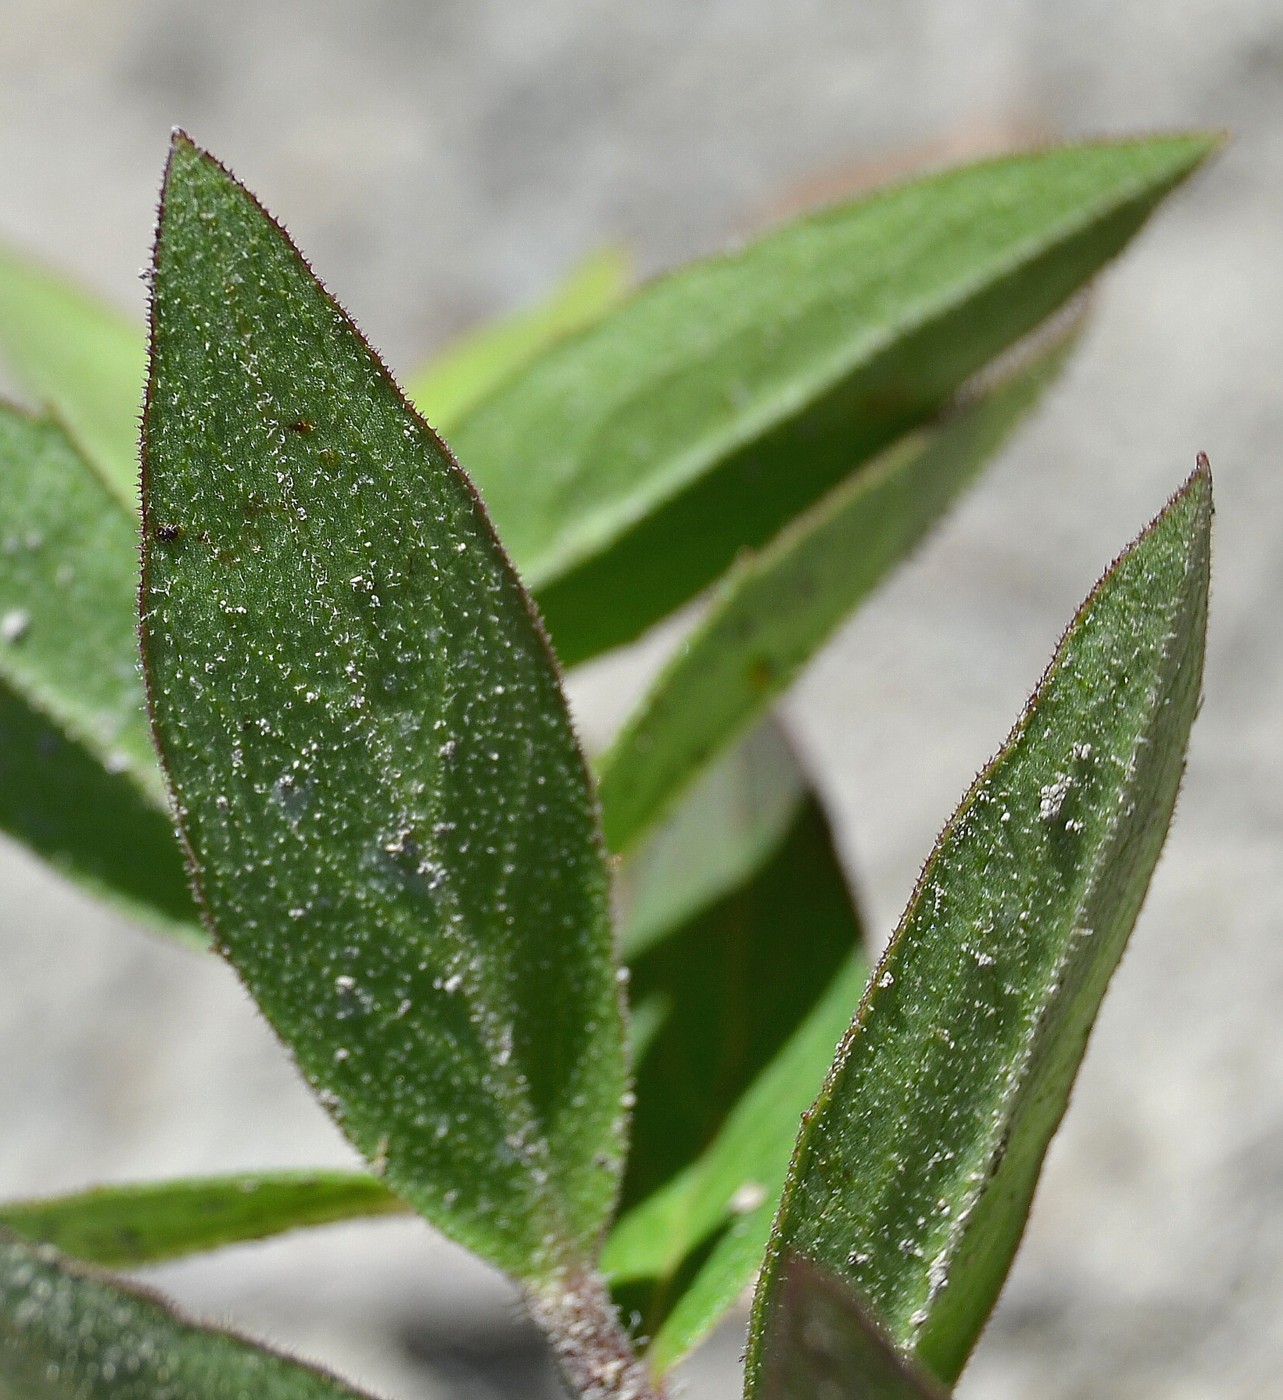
[(775, 609), (78, 778), (627, 468), (823, 1343), (70, 1333), (389, 820), (914, 1172), (126, 1226), (80, 358), (462, 376)]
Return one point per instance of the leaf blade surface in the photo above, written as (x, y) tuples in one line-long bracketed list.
[(131, 1225), (82, 359), (388, 817), (824, 1343), (70, 1333), (774, 609), (914, 1172), (78, 777), (626, 468)]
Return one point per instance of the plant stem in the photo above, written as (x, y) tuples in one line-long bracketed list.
[(593, 1349)]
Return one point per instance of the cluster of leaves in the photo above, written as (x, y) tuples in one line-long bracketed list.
[(390, 831)]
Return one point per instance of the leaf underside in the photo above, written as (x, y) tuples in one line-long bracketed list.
[(913, 1175), (388, 818), (823, 1344)]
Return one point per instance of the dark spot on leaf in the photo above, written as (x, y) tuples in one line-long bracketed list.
[(168, 533), (301, 425)]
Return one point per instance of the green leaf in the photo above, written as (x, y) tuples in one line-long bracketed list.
[(626, 468), (126, 1226), (730, 821), (80, 358), (745, 999), (914, 1172), (78, 777), (695, 1244), (70, 1333), (390, 824), (775, 609), (823, 1343), (454, 382)]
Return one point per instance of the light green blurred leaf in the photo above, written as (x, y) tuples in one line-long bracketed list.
[(774, 609), (823, 1343), (733, 817), (626, 468), (70, 1333), (746, 994), (913, 1175), (126, 1226), (82, 359), (455, 381), (695, 1244), (389, 820), (78, 777)]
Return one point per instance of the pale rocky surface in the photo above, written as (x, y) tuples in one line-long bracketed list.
[(444, 161)]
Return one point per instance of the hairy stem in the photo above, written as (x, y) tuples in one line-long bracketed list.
[(593, 1349)]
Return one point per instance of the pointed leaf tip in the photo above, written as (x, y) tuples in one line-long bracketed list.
[(913, 1176), (389, 820)]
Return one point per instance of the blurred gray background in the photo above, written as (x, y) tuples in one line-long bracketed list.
[(445, 161)]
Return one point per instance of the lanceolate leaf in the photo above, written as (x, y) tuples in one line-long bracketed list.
[(70, 1333), (914, 1172), (82, 359), (455, 381), (78, 776), (625, 469), (389, 821), (823, 1343), (775, 609), (126, 1226)]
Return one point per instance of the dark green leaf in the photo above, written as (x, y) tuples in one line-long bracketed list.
[(82, 359), (914, 1172), (78, 776), (70, 1333), (688, 1252), (775, 609), (124, 1226), (389, 820), (454, 382), (823, 1344), (627, 468), (744, 1001)]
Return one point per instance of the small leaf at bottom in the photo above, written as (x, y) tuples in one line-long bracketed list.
[(70, 1333)]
